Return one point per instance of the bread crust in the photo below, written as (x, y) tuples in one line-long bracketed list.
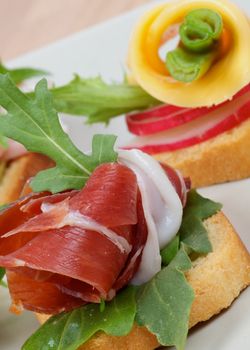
[(223, 158), (217, 279), (18, 172)]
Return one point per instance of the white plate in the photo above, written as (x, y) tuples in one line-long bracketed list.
[(102, 50)]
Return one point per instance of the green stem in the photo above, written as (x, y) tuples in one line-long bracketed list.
[(200, 29), (186, 67)]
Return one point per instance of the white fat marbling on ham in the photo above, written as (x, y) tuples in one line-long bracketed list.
[(162, 209), (75, 218)]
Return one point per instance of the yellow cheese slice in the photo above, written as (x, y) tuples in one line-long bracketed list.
[(227, 75)]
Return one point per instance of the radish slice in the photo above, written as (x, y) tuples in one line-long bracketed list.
[(161, 118), (166, 117), (218, 120)]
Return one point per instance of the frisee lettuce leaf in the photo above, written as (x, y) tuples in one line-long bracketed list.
[(164, 303), (18, 75), (35, 124), (89, 97), (192, 231), (68, 331), (99, 101)]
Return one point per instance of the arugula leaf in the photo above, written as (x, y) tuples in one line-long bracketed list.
[(181, 260), (20, 74), (62, 178), (99, 101), (2, 273), (169, 252), (192, 231), (164, 303), (67, 331), (3, 142), (35, 124)]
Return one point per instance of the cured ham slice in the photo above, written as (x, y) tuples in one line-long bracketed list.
[(38, 296), (138, 245), (33, 206), (181, 185), (76, 263), (67, 249)]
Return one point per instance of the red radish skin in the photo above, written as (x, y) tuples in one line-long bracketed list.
[(161, 118), (217, 120), (166, 117)]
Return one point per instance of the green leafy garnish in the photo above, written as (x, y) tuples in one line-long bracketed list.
[(20, 74), (35, 124), (2, 274), (192, 237), (192, 232), (164, 303), (169, 252), (99, 101), (68, 331), (3, 142), (102, 305)]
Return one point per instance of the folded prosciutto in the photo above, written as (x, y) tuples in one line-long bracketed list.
[(64, 250)]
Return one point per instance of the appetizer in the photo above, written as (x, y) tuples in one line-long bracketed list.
[(112, 244)]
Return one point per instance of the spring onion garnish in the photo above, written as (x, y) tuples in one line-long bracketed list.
[(187, 66), (199, 34), (200, 30)]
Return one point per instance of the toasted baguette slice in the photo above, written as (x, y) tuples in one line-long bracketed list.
[(217, 280), (223, 158), (18, 172)]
